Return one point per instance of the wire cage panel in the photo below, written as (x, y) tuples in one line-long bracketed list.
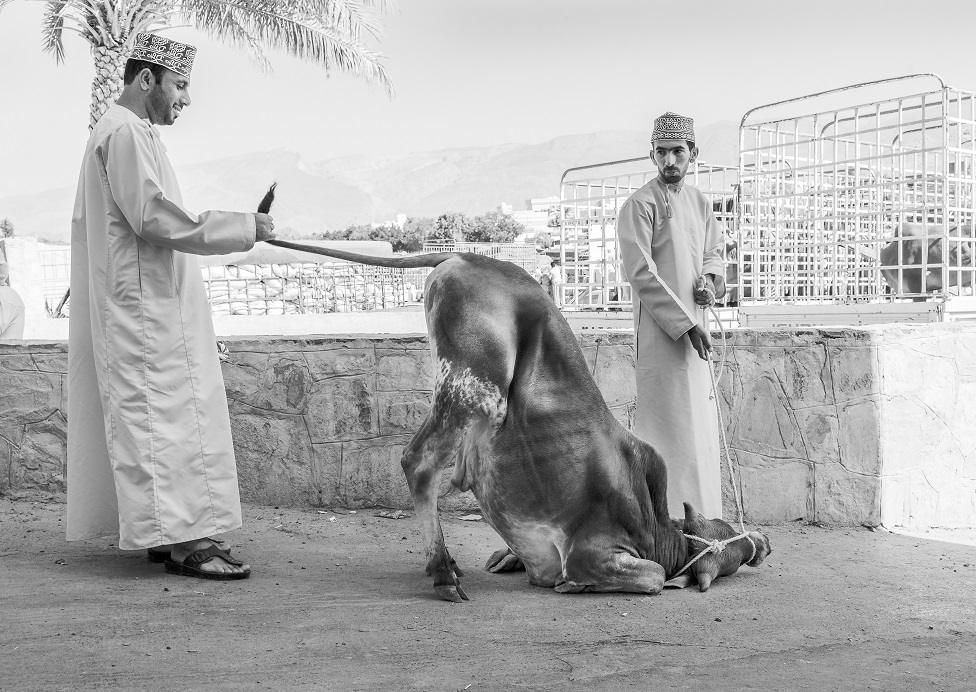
[(865, 201), (302, 288), (591, 197)]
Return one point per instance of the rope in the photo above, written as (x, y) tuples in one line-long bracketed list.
[(721, 420), (717, 546)]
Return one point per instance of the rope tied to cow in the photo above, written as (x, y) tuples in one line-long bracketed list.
[(714, 546), (717, 546)]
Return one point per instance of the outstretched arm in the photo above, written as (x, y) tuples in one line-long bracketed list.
[(134, 182)]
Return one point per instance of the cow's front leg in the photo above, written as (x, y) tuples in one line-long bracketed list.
[(604, 571), (430, 450)]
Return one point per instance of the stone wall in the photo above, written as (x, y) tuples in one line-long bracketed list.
[(842, 426)]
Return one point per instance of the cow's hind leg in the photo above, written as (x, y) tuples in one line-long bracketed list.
[(605, 570), (432, 448)]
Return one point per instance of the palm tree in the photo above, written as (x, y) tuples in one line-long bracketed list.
[(329, 32)]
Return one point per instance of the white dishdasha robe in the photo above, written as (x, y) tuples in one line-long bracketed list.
[(150, 455), (669, 237)]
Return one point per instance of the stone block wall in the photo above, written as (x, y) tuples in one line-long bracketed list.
[(928, 430), (840, 426)]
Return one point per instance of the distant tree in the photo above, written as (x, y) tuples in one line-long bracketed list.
[(493, 228), (451, 227), (6, 228), (409, 238), (417, 230)]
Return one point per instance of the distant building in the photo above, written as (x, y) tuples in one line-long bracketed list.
[(544, 203), (537, 217)]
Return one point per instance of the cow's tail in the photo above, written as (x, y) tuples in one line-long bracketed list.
[(428, 260)]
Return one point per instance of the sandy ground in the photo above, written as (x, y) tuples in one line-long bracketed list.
[(339, 600)]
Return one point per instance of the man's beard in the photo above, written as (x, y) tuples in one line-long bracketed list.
[(672, 175)]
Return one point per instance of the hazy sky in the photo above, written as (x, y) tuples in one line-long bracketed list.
[(488, 72)]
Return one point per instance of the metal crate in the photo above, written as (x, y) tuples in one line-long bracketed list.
[(859, 195), (302, 288)]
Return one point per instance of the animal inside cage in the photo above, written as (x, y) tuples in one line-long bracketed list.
[(591, 197), (303, 288), (859, 195)]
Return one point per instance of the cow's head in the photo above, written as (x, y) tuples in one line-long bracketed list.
[(735, 554)]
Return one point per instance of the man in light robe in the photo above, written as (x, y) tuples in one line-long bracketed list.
[(11, 306), (669, 238), (150, 455)]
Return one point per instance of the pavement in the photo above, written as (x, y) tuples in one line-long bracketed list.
[(338, 600)]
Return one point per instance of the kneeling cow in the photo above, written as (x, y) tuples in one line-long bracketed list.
[(580, 501)]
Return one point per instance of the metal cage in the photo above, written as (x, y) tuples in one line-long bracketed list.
[(303, 288), (588, 249), (857, 205)]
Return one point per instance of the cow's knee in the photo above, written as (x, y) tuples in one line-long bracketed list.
[(611, 571)]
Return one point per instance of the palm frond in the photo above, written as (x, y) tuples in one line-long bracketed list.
[(220, 21), (323, 31), (350, 16), (52, 30), (327, 47)]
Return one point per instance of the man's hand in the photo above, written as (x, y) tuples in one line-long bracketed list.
[(265, 227), (718, 281), (699, 341), (705, 291)]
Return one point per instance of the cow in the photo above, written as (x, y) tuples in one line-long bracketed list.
[(903, 279), (580, 501)]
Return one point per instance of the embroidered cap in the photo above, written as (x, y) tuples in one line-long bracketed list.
[(171, 54), (673, 126)]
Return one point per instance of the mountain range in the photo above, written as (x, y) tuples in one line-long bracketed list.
[(332, 194)]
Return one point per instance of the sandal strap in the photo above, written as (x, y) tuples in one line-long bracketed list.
[(199, 557)]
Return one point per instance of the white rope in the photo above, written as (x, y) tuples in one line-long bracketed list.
[(717, 546), (721, 421)]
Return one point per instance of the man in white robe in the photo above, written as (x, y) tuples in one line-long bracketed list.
[(150, 455), (669, 238), (11, 306)]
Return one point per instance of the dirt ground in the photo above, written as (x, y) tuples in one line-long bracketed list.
[(339, 600)]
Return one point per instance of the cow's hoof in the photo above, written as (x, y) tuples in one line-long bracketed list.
[(569, 587), (504, 560), (447, 592)]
